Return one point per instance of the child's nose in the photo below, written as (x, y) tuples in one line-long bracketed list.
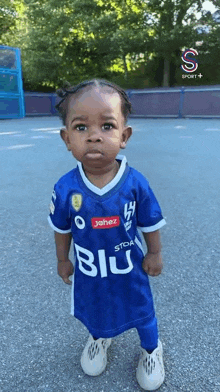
[(94, 136)]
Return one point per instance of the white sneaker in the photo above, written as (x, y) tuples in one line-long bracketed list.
[(150, 372), (94, 356)]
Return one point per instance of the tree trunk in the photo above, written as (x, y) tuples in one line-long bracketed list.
[(125, 67), (166, 73)]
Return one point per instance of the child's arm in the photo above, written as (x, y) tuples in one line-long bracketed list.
[(64, 267), (152, 240), (152, 263)]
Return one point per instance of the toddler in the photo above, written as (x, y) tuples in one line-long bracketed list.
[(101, 204)]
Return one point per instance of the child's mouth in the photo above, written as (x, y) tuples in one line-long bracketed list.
[(94, 155)]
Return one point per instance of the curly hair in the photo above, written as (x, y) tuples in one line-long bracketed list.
[(66, 91)]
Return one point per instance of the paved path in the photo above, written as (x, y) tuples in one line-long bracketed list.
[(41, 341)]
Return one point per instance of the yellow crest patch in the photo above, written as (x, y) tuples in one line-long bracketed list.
[(77, 201)]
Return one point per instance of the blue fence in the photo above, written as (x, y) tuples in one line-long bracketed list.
[(11, 87), (40, 104), (177, 102), (158, 102)]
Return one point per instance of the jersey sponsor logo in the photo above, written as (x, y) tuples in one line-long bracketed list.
[(86, 262), (77, 201), (129, 210), (123, 245), (105, 222), (79, 221)]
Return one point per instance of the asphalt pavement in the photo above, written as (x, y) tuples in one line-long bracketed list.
[(41, 343)]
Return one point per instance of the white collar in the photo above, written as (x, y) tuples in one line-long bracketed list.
[(111, 184)]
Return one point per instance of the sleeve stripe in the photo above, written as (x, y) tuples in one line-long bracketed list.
[(153, 228), (56, 228), (139, 244)]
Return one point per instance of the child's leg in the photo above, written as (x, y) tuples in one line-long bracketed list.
[(148, 333)]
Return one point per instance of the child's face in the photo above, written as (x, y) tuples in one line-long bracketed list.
[(95, 122)]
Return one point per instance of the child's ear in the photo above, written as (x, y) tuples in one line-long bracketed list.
[(64, 136), (126, 134)]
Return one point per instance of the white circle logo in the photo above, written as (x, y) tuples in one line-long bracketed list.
[(80, 223)]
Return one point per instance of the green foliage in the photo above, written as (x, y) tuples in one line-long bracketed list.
[(7, 17), (125, 41)]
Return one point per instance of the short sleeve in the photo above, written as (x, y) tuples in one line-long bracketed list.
[(59, 217), (149, 215)]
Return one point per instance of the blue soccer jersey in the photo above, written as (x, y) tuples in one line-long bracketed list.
[(110, 290)]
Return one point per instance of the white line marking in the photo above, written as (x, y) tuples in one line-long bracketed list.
[(180, 127), (17, 147), (53, 132), (7, 133), (40, 137), (19, 134), (44, 129)]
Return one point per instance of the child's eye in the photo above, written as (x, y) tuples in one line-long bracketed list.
[(108, 125), (81, 127)]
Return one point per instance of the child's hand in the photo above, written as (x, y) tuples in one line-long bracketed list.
[(65, 269), (152, 264)]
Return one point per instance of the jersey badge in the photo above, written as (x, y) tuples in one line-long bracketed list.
[(129, 210), (77, 201)]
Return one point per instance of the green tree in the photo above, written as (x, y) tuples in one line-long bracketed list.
[(122, 40), (209, 53), (173, 27), (7, 17), (77, 39), (208, 47)]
